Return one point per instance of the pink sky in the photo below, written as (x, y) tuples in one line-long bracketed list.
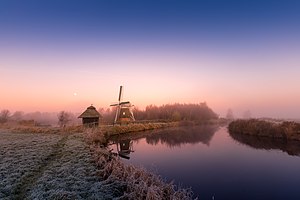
[(34, 83), (243, 56)]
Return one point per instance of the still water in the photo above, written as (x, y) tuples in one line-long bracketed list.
[(216, 164)]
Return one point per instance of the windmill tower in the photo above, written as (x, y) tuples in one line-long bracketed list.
[(123, 110)]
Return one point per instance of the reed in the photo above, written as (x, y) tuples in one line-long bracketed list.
[(121, 129), (286, 130), (136, 182)]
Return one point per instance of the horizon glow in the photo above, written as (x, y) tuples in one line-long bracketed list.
[(239, 55)]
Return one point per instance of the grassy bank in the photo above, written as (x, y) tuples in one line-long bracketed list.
[(285, 130), (100, 135), (121, 129), (107, 130), (52, 166), (65, 166), (135, 182)]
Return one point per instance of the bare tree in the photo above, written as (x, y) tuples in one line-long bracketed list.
[(64, 118), (17, 116), (4, 115)]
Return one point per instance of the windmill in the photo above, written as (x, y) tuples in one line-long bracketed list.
[(123, 109)]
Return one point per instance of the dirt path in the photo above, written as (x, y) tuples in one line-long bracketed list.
[(40, 166), (28, 181)]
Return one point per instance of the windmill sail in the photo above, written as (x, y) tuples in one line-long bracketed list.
[(120, 93)]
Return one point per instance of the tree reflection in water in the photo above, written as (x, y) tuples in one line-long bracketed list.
[(183, 135), (289, 146), (175, 136)]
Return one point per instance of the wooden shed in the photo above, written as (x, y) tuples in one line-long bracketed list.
[(90, 116)]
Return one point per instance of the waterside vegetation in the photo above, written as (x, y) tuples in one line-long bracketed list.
[(135, 182), (286, 130), (122, 181)]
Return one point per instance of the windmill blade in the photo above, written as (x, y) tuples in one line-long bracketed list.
[(115, 104), (125, 102), (117, 114), (120, 93)]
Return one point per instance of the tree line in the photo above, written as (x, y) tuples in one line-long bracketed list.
[(167, 112), (38, 118)]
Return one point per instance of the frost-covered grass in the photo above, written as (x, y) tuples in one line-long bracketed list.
[(73, 166), (136, 182), (20, 156), (45, 166), (73, 175), (17, 128)]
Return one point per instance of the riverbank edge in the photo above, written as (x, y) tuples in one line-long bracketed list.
[(107, 130), (286, 130), (131, 181), (135, 182)]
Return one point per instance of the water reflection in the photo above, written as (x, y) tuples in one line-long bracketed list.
[(124, 148), (217, 166), (171, 137), (290, 147), (183, 135)]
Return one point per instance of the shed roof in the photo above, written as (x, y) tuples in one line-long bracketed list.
[(90, 112)]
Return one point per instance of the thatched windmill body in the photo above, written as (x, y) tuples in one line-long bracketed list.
[(124, 112)]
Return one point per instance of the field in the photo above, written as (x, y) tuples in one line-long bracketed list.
[(68, 166), (40, 166)]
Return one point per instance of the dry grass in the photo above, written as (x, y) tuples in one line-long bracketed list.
[(121, 129), (95, 136), (137, 183), (285, 130), (130, 182), (100, 135), (20, 128)]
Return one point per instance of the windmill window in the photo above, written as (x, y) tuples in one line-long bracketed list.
[(123, 113)]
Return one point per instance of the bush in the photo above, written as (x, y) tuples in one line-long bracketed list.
[(284, 130)]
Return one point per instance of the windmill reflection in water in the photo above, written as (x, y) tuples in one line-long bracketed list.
[(124, 148)]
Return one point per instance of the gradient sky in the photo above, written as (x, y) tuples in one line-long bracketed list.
[(243, 55)]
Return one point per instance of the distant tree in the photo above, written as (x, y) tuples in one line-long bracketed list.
[(4, 115), (138, 114), (64, 118), (107, 114), (17, 116), (176, 116), (229, 114), (176, 112), (168, 112)]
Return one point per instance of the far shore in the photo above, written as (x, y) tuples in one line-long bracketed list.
[(286, 130)]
